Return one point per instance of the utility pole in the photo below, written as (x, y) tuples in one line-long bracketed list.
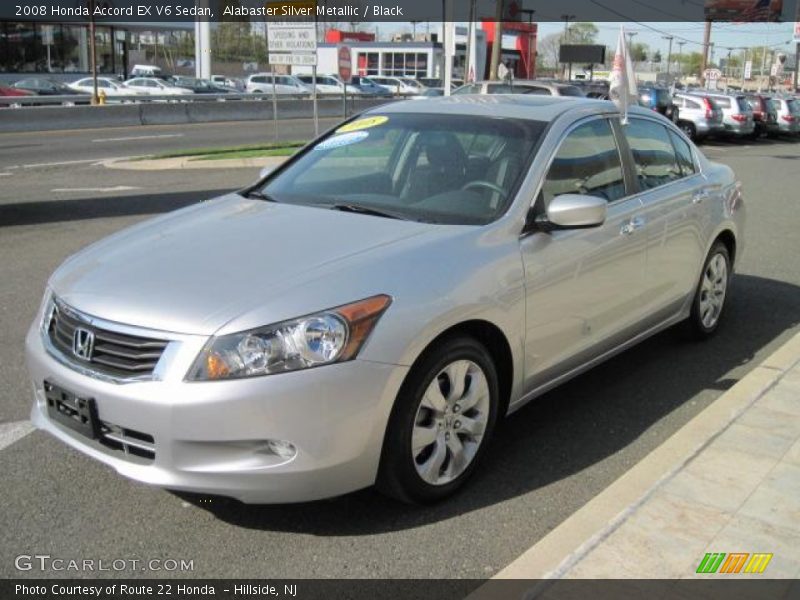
[(93, 50), (630, 35), (498, 39), (704, 61), (680, 59), (744, 66), (669, 51)]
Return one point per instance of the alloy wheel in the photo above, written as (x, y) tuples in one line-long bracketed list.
[(713, 289)]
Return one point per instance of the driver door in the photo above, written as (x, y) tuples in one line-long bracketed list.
[(583, 286)]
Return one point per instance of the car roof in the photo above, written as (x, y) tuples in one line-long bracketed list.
[(537, 108)]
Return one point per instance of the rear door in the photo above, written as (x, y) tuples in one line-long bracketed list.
[(583, 286), (675, 200)]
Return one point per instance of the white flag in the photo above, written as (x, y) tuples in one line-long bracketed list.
[(472, 56), (622, 89)]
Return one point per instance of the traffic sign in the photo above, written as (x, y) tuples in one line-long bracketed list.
[(345, 63), (292, 37), (295, 58)]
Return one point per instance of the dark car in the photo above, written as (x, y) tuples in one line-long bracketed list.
[(46, 87), (660, 100), (198, 86), (765, 114), (593, 89)]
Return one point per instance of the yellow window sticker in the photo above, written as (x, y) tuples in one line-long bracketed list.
[(365, 123)]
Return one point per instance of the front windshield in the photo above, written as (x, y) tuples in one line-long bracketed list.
[(435, 168)]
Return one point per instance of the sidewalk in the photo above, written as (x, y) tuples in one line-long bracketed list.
[(727, 482)]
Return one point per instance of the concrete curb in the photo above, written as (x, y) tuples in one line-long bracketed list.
[(552, 556), (191, 162)]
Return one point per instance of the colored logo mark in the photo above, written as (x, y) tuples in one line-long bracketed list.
[(734, 562)]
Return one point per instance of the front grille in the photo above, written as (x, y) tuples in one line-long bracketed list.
[(112, 353)]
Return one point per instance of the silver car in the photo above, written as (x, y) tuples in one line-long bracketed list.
[(366, 313), (788, 113), (737, 115), (532, 87), (699, 117)]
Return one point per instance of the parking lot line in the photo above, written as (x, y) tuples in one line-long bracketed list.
[(14, 431), (116, 188), (75, 162)]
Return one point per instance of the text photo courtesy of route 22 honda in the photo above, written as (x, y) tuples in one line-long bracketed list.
[(367, 312)]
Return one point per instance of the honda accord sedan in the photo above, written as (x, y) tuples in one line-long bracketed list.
[(367, 312)]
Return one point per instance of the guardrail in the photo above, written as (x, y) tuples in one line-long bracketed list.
[(172, 110), (84, 99)]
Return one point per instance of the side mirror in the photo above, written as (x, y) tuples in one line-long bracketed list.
[(573, 211)]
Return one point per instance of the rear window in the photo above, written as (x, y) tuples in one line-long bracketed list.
[(742, 104), (793, 106), (723, 102), (570, 90)]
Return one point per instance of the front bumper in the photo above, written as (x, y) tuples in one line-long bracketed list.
[(211, 437)]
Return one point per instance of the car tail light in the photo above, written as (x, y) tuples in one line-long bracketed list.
[(739, 118), (709, 108), (788, 118)]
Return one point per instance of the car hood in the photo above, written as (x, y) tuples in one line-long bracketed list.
[(195, 269)]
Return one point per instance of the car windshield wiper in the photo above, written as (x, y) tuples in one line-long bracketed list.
[(366, 210), (259, 195)]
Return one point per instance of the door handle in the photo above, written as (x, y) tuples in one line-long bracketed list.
[(632, 225), (700, 196)]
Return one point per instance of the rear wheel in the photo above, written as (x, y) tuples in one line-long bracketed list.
[(442, 420), (712, 292), (689, 129)]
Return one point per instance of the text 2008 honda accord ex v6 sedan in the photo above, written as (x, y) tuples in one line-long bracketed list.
[(367, 312)]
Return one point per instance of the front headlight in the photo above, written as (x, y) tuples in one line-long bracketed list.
[(323, 338)]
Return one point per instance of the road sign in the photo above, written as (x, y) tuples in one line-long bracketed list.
[(345, 63), (296, 58), (292, 37)]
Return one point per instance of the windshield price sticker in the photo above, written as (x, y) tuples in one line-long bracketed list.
[(362, 124)]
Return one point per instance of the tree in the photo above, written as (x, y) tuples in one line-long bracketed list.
[(657, 58), (582, 33), (639, 52)]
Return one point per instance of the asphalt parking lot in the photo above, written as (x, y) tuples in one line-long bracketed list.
[(546, 461)]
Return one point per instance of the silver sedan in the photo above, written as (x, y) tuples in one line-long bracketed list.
[(368, 311)]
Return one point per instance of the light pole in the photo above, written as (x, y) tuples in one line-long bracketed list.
[(567, 19), (669, 38), (680, 59)]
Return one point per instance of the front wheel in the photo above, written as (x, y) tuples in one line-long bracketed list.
[(442, 420), (712, 292)]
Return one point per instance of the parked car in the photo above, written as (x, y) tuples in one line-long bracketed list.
[(262, 83), (531, 87), (148, 71), (398, 85), (233, 83), (367, 87), (110, 87), (329, 85), (737, 116), (156, 87), (198, 86), (787, 114), (431, 92), (8, 95), (593, 89), (46, 87), (356, 359), (699, 116), (660, 100), (765, 117)]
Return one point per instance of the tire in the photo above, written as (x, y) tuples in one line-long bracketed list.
[(689, 129), (420, 463), (710, 299)]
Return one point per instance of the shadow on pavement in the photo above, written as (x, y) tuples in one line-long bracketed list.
[(56, 211), (571, 428)]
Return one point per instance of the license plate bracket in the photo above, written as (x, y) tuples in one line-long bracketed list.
[(70, 410)]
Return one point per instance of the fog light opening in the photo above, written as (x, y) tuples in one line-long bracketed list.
[(284, 449)]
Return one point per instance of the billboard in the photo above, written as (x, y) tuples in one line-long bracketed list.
[(745, 11), (582, 53)]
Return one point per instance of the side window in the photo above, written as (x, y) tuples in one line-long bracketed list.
[(653, 155), (684, 154), (532, 90), (693, 104), (587, 162), (499, 88)]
